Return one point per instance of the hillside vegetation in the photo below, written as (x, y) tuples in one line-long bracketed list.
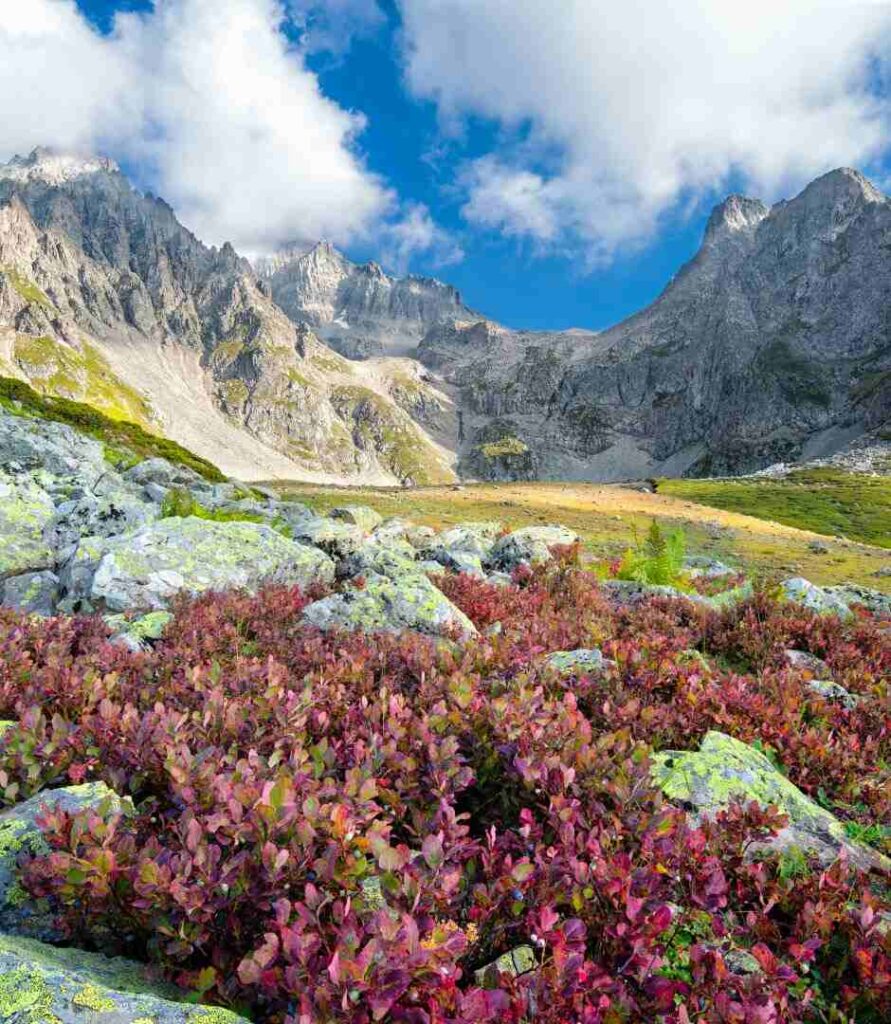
[(125, 442), (825, 500)]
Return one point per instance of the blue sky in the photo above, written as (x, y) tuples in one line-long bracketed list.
[(556, 167)]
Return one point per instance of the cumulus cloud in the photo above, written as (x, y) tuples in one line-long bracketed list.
[(416, 233), (611, 114), (208, 99)]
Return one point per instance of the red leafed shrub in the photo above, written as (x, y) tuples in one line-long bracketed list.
[(349, 828)]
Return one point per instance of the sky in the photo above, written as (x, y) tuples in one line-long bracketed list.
[(556, 161)]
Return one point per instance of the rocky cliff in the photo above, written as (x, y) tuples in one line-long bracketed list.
[(106, 297), (773, 343), (357, 308)]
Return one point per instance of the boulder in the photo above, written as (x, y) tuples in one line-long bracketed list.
[(529, 546), (336, 538), (418, 536), (34, 593), (41, 984), (581, 662), (358, 515), (471, 538), (710, 568), (801, 591), (391, 557), (725, 770), (25, 512), (834, 692), (28, 444), (138, 633), (142, 571), (872, 600), (804, 662), (160, 471), (391, 605), (20, 834), (117, 511)]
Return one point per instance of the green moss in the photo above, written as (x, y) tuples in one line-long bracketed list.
[(120, 436), (828, 501), (297, 378), (213, 1015), (227, 351), (506, 447), (26, 288)]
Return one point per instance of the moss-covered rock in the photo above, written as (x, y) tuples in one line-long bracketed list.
[(724, 770), (528, 546), (20, 836), (142, 571), (335, 537), (581, 662), (25, 512), (359, 515), (803, 592), (390, 605), (34, 593), (42, 984)]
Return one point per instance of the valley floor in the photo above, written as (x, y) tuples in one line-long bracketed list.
[(607, 515)]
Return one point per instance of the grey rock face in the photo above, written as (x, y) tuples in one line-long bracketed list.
[(528, 546), (358, 309), (769, 345), (803, 592)]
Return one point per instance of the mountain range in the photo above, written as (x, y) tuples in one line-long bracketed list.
[(773, 343)]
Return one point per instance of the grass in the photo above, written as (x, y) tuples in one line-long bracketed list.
[(827, 501), (124, 442), (608, 517), (26, 288)]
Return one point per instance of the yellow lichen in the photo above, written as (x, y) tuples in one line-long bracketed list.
[(91, 997), (26, 998)]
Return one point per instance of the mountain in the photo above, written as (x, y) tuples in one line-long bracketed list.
[(106, 297), (356, 308), (772, 344)]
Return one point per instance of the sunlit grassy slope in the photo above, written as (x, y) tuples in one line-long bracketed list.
[(607, 516), (830, 501)]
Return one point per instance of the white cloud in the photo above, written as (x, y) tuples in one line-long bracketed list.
[(416, 233), (612, 113), (331, 25), (207, 98)]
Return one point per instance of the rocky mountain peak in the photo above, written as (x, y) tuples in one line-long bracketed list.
[(736, 215), (54, 167)]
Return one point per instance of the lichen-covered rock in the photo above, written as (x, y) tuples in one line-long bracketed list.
[(473, 538), (391, 605), (516, 962), (35, 593), (581, 662), (138, 633), (725, 770), (142, 571), (850, 593), (20, 834), (418, 536), (632, 592), (528, 546), (28, 445), (41, 984), (117, 511), (25, 512), (805, 662), (336, 538), (359, 515), (834, 692), (803, 592), (391, 557), (160, 471), (709, 568)]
